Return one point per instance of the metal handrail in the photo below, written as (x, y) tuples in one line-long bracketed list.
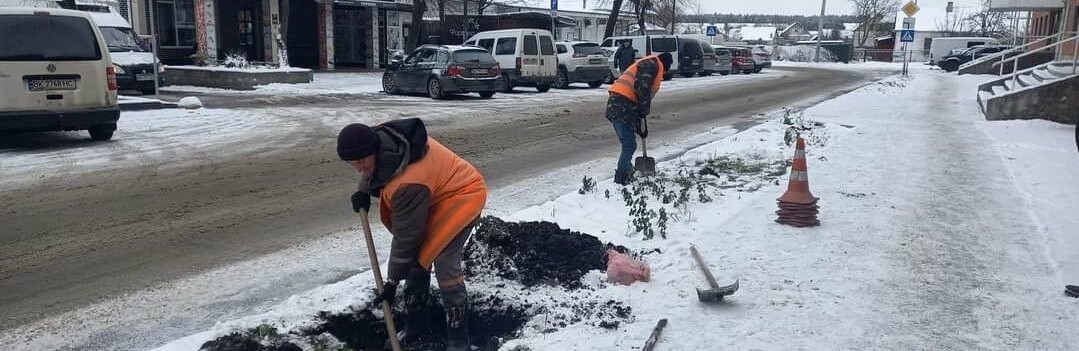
[(1004, 59), (1004, 54), (1015, 60)]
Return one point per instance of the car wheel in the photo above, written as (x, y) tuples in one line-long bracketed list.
[(543, 88), (667, 77), (950, 66), (434, 89), (507, 83), (610, 79), (595, 84), (747, 71), (150, 91), (102, 132), (706, 73), (389, 83), (687, 75), (487, 94), (723, 73), (562, 80), (757, 70)]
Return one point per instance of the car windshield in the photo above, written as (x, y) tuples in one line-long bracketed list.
[(44, 37), (473, 56), (120, 39), (664, 44), (587, 49)]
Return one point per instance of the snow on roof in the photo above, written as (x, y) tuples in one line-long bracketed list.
[(932, 14), (758, 33)]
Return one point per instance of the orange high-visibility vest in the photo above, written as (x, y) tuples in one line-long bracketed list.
[(624, 85), (458, 194)]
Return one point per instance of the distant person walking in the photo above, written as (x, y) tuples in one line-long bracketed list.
[(625, 55), (630, 102)]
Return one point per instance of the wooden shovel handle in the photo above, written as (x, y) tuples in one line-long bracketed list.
[(387, 311)]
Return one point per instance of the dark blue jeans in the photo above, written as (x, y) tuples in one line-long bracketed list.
[(628, 138)]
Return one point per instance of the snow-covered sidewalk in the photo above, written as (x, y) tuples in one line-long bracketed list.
[(941, 231)]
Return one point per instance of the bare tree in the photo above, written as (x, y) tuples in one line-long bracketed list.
[(988, 23), (612, 19), (416, 31), (953, 24), (871, 13), (668, 12)]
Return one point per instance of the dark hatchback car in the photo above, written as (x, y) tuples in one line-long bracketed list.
[(951, 63), (441, 70)]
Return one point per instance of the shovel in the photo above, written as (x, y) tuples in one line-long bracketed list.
[(387, 311), (644, 164)]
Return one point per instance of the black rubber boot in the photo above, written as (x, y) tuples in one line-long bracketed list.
[(621, 178), (457, 329), (1071, 290), (417, 292)]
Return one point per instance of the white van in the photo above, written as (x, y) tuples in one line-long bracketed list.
[(941, 47), (527, 56), (134, 61), (644, 45), (55, 73)]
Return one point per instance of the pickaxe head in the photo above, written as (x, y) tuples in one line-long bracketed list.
[(717, 294)]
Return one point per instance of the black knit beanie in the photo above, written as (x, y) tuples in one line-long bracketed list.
[(356, 141)]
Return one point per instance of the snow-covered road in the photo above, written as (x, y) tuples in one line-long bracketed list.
[(224, 212)]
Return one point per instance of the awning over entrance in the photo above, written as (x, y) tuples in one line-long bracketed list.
[(376, 3)]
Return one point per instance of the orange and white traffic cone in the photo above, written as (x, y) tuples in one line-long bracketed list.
[(798, 207)]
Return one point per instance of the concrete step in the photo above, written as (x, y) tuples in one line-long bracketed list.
[(1060, 70), (1027, 80), (1000, 89), (983, 99), (1043, 74)]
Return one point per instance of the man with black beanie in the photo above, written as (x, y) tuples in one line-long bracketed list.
[(630, 103), (429, 199)]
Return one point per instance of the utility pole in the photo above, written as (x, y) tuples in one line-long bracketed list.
[(674, 15), (820, 27), (153, 48)]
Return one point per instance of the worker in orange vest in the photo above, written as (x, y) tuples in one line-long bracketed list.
[(630, 102), (429, 199)]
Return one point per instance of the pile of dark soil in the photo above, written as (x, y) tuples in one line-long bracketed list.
[(533, 253), (491, 321), (261, 338)]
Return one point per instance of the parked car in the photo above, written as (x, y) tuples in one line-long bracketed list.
[(527, 56), (723, 59), (710, 63), (940, 47), (761, 59), (690, 57), (580, 62), (742, 60), (134, 62), (441, 70), (645, 45), (951, 63), (55, 73)]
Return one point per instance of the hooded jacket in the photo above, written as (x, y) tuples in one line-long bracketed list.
[(427, 194)]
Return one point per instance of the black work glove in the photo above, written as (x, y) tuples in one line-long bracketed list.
[(389, 293), (642, 128), (361, 201)]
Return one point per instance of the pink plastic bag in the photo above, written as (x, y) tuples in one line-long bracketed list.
[(622, 269)]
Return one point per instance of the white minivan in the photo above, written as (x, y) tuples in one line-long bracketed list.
[(644, 45), (940, 47), (134, 61), (55, 73), (527, 56)]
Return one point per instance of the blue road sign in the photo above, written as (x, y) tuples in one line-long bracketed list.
[(906, 36), (554, 5), (711, 31)]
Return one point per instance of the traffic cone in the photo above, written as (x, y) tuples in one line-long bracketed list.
[(798, 207)]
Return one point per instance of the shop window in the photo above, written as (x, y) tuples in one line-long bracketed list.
[(246, 21), (176, 22)]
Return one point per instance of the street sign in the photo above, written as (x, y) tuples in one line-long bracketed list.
[(711, 31), (908, 23), (911, 8), (906, 36)]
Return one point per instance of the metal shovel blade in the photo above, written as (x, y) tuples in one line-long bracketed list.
[(645, 165)]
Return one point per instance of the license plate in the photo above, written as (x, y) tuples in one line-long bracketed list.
[(595, 61), (480, 71), (144, 76), (51, 84)]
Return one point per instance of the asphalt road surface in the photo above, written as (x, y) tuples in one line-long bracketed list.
[(82, 238)]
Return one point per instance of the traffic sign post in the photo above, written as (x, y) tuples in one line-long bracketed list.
[(911, 8), (906, 36), (554, 18), (711, 31)]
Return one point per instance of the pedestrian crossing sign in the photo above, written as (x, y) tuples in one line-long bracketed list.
[(906, 36), (711, 31)]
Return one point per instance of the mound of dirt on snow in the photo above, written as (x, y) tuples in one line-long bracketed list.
[(533, 253)]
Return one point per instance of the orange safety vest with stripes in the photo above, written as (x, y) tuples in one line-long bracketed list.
[(458, 195), (624, 85)]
